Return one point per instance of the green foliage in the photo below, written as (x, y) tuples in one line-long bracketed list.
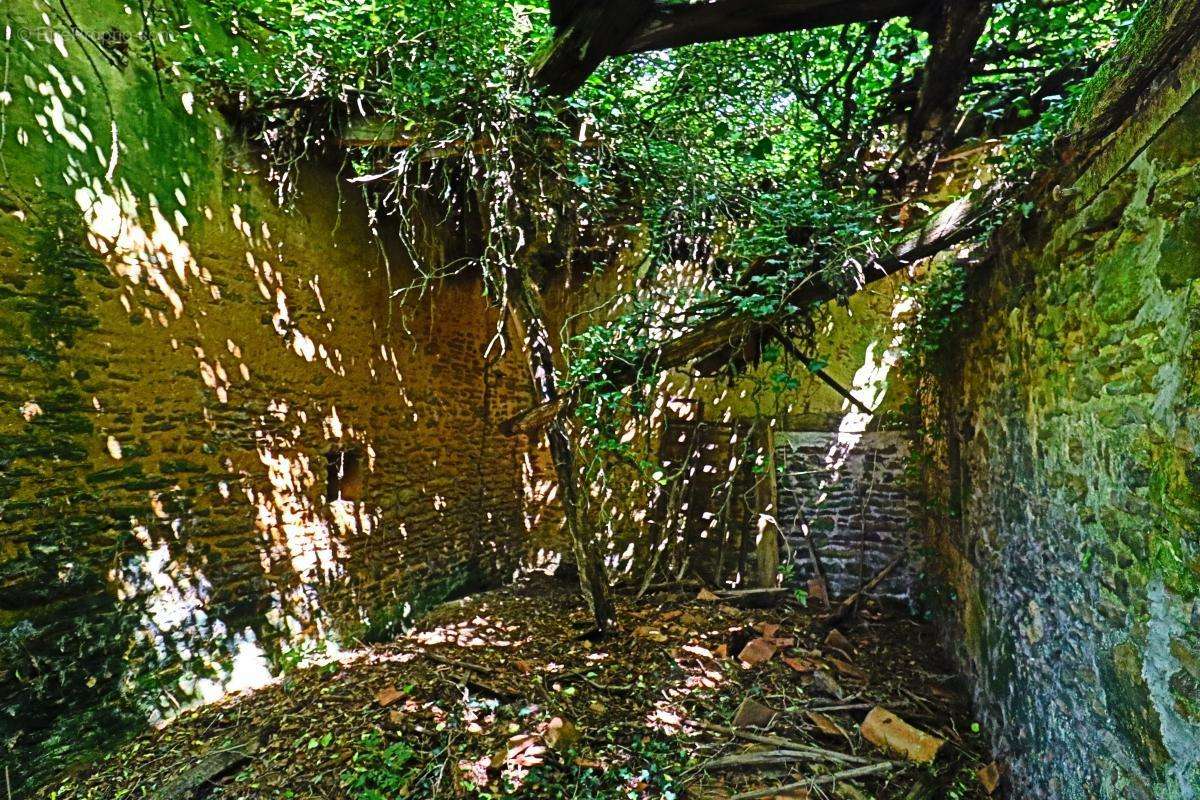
[(770, 150), (938, 299), (645, 768), (736, 170), (377, 770)]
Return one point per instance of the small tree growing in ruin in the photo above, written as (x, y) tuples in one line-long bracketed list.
[(787, 163)]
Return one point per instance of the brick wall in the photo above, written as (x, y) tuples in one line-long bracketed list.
[(179, 357), (851, 494)]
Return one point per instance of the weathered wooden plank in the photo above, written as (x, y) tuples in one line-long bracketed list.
[(679, 24)]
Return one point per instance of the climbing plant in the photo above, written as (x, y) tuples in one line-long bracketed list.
[(742, 174)]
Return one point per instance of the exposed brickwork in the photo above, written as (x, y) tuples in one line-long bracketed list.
[(177, 358), (850, 492)]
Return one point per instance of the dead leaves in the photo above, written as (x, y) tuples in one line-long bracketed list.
[(554, 700), (838, 641), (388, 695), (521, 751), (825, 683), (757, 651), (753, 714), (849, 670), (560, 734), (827, 725), (989, 776), (763, 648), (804, 666), (650, 634)]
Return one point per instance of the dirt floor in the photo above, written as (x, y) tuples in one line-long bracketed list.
[(694, 697)]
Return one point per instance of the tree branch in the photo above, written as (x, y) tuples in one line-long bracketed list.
[(588, 33), (947, 71)]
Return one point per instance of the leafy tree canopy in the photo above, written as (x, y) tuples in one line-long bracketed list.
[(761, 159), (755, 178)]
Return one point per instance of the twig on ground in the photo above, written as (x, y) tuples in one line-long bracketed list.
[(467, 665), (842, 707), (603, 687), (780, 742), (846, 774), (763, 758), (731, 593)]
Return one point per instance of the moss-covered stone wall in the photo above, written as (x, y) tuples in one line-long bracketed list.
[(1064, 429), (181, 360)]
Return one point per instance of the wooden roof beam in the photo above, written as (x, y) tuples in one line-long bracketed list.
[(587, 33), (679, 24)]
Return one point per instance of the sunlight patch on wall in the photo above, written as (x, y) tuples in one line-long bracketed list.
[(291, 522), (134, 253), (172, 593), (869, 387)]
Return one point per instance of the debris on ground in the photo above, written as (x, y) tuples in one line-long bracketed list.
[(888, 732), (703, 695)]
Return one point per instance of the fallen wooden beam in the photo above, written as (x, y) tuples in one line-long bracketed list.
[(960, 221), (208, 770), (587, 33), (846, 608)]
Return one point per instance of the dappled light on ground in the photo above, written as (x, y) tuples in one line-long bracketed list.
[(493, 694)]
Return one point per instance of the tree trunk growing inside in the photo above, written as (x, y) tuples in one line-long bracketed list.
[(766, 501), (530, 320)]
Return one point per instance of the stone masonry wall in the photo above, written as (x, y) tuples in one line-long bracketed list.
[(180, 359), (1066, 434), (851, 494)]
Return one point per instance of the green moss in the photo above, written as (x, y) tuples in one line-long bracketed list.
[(1118, 288), (1179, 256), (1150, 27), (1131, 707)]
